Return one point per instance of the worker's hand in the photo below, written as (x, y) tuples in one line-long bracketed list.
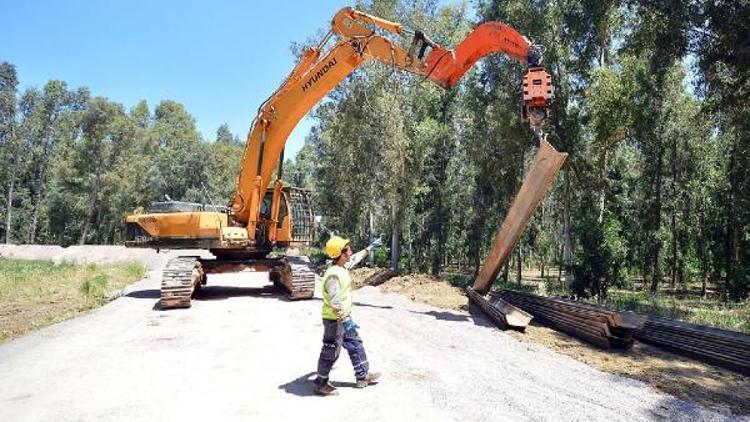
[(350, 325), (375, 244)]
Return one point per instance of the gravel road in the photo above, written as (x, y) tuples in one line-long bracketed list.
[(242, 352)]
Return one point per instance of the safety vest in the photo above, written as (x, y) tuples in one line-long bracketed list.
[(345, 292)]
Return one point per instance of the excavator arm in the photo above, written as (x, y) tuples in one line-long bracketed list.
[(319, 71)]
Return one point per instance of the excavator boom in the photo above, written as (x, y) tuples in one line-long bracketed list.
[(318, 72), (262, 215)]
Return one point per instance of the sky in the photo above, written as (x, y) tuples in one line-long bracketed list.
[(219, 58)]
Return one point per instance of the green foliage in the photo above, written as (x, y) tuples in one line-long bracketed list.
[(382, 257), (602, 260), (656, 185), (684, 306)]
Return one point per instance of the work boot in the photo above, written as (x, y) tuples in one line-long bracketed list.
[(326, 389), (370, 378)]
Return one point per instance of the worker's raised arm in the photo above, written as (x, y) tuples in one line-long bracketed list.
[(356, 258)]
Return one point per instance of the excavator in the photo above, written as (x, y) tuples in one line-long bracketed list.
[(263, 215)]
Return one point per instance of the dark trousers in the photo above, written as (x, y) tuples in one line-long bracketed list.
[(334, 336)]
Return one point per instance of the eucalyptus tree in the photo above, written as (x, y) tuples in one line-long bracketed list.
[(48, 128), (724, 69), (9, 147)]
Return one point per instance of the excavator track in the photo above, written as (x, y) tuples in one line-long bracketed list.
[(300, 278), (179, 279)]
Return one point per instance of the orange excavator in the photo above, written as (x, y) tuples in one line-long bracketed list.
[(261, 217)]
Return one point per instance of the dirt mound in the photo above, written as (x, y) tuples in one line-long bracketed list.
[(367, 276), (427, 289)]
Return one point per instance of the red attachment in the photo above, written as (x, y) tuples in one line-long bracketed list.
[(537, 88)]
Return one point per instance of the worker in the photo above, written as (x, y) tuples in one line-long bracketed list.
[(338, 326)]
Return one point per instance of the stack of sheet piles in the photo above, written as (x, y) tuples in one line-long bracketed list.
[(725, 348), (599, 326)]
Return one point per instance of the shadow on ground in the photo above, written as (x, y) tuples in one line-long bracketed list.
[(211, 293), (145, 294), (303, 386), (444, 315), (300, 386), (369, 305), (226, 292)]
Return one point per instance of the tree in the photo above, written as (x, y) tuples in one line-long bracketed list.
[(48, 128), (179, 166), (223, 166), (724, 63), (224, 135), (8, 139)]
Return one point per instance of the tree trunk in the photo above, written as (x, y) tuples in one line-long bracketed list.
[(674, 260), (34, 221), (90, 211), (371, 235), (519, 266), (541, 268), (655, 223), (476, 262), (37, 206), (560, 263), (9, 207), (673, 216), (602, 191), (567, 257), (395, 239), (732, 229), (396, 213)]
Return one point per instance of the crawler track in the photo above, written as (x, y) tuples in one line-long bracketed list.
[(300, 281), (179, 279)]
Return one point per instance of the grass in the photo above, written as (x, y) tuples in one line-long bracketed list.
[(686, 305), (34, 294)]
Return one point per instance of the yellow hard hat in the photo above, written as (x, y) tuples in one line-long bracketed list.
[(335, 245)]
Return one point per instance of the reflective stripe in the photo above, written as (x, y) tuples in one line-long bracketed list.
[(337, 304)]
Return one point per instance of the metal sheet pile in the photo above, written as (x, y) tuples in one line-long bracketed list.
[(599, 326), (724, 348), (502, 313)]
